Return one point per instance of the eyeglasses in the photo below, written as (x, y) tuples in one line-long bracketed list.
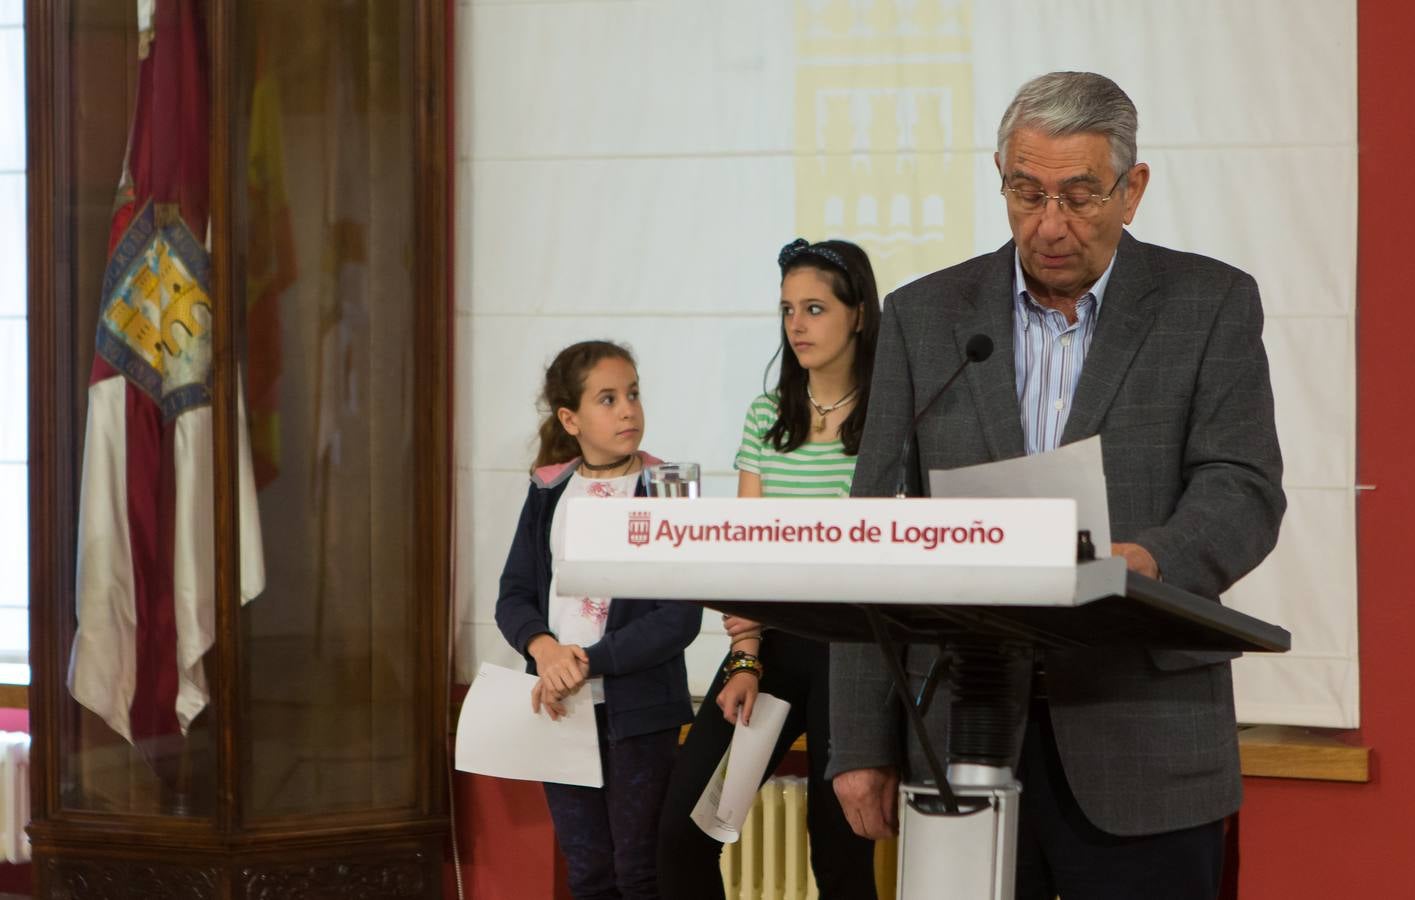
[(1081, 204)]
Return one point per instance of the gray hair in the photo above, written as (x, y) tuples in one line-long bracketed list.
[(1065, 103)]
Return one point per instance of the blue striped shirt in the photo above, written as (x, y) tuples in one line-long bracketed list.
[(1049, 353)]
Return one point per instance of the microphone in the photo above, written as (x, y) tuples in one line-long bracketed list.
[(978, 348)]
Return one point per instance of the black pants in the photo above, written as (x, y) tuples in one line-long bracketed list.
[(1060, 853), (797, 671), (608, 834)]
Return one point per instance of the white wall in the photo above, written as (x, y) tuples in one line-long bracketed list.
[(14, 355), (629, 168)]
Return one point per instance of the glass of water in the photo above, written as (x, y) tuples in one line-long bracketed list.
[(672, 479)]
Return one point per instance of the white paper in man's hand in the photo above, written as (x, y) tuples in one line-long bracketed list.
[(497, 734), (727, 799), (1074, 471)]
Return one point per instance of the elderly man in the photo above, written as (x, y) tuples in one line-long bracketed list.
[(1130, 760)]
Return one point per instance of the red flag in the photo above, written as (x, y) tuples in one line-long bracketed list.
[(145, 559)]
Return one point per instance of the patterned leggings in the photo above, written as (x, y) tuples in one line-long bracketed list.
[(609, 835)]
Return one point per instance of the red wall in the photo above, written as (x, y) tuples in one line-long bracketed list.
[(505, 842), (1308, 839)]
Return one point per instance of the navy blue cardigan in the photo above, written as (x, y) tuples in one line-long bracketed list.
[(641, 653)]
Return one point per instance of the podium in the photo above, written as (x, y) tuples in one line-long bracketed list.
[(988, 580)]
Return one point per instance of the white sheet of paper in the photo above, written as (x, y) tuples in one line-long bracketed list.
[(497, 734), (1074, 471), (723, 806)]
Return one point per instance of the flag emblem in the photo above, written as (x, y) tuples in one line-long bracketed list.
[(155, 323)]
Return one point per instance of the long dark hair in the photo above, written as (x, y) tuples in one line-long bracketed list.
[(847, 269), (564, 386)]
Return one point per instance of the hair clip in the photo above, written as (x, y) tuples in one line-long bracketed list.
[(800, 246)]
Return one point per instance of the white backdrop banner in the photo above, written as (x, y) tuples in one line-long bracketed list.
[(631, 169)]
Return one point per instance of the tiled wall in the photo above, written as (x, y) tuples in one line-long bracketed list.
[(600, 196)]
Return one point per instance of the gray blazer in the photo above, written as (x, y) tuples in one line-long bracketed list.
[(1176, 382)]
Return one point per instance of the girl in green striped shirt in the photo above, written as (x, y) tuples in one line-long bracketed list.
[(798, 440)]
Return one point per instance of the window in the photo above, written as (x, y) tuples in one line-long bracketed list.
[(14, 356)]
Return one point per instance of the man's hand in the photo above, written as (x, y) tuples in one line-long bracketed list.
[(563, 667), (1137, 559), (740, 690), (870, 801)]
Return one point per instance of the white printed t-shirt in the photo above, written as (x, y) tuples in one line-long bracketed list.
[(581, 620)]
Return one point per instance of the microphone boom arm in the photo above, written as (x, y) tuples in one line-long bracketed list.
[(979, 348)]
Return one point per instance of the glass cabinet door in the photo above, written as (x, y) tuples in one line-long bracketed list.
[(135, 229), (255, 273), (325, 224)]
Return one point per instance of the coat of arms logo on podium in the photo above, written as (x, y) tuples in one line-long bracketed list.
[(638, 528)]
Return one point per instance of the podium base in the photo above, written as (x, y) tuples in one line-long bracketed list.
[(967, 857)]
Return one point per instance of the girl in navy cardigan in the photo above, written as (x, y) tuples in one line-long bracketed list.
[(627, 653)]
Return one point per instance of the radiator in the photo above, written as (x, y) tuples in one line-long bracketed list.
[(14, 797), (772, 859)]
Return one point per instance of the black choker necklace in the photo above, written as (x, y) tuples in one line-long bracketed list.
[(590, 467)]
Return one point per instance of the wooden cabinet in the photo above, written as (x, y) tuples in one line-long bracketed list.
[(318, 766)]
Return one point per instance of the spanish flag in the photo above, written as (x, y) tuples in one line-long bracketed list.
[(270, 269)]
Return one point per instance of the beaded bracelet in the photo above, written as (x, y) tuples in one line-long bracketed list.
[(741, 661)]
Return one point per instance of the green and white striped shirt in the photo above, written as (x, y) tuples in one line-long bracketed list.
[(811, 470)]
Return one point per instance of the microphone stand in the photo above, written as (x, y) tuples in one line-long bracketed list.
[(962, 829)]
